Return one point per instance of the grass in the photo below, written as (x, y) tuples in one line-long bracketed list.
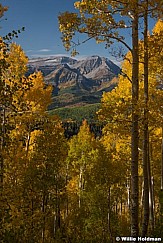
[(77, 113)]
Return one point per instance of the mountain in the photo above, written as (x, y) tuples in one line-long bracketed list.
[(48, 64), (76, 82), (97, 68)]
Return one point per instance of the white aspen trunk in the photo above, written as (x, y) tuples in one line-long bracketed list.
[(142, 194), (80, 184), (162, 161), (141, 200), (28, 142), (146, 165), (67, 199), (2, 147), (128, 193), (151, 208), (151, 199), (43, 212), (109, 214), (2, 170), (54, 226), (134, 209)]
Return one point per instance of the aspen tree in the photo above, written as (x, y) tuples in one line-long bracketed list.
[(96, 19), (108, 32)]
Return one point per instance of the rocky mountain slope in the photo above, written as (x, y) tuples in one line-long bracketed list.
[(76, 82)]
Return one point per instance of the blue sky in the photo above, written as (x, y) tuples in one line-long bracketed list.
[(42, 36), (39, 17)]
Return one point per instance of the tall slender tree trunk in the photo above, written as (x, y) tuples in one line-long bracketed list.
[(161, 191), (151, 205), (28, 142), (67, 197), (135, 128), (3, 114), (57, 217), (109, 214), (146, 169), (162, 161), (2, 170), (151, 194), (80, 184), (43, 212), (128, 192), (141, 200)]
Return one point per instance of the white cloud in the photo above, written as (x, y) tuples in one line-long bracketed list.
[(46, 55), (44, 50)]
